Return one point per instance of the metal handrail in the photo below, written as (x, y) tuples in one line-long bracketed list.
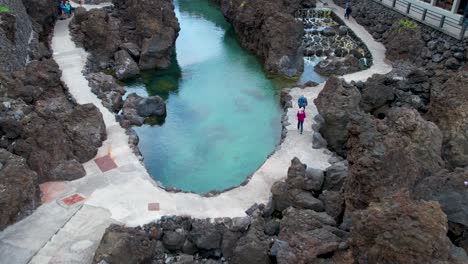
[(410, 7)]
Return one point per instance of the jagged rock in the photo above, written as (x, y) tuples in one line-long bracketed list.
[(305, 200), (125, 245), (269, 29), (385, 232), (449, 190), (333, 202), (377, 92), (18, 188), (125, 67), (132, 49), (174, 240), (308, 229), (336, 103), (272, 227), (403, 138), (313, 180), (403, 43), (205, 235), (106, 88), (155, 30), (136, 108), (448, 109), (335, 176), (67, 171), (253, 247), (318, 141), (338, 66)]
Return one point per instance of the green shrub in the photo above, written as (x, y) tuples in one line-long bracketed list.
[(4, 9), (406, 24)]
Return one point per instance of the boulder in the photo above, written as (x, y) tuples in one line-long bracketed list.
[(253, 247), (335, 176), (18, 187), (125, 245), (448, 109), (107, 89), (386, 231), (174, 240), (205, 235), (336, 103), (338, 66), (270, 30), (67, 171), (333, 203), (125, 67), (328, 31), (151, 106), (403, 138), (403, 43)]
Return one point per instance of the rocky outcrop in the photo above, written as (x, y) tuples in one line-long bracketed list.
[(19, 192), (42, 125), (335, 103), (403, 43), (399, 230), (338, 66), (107, 89), (15, 31), (269, 29), (137, 108), (448, 109), (131, 36), (403, 138)]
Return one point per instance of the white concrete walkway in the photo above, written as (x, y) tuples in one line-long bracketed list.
[(57, 234)]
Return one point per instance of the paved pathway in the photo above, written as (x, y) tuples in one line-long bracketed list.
[(68, 231)]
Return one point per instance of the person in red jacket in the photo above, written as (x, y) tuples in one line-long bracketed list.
[(301, 115)]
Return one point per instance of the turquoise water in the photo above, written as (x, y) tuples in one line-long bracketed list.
[(223, 114)]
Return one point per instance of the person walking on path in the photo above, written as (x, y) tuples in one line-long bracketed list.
[(301, 115), (348, 9), (302, 102)]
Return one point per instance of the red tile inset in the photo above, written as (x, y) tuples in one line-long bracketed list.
[(153, 206), (105, 163), (73, 199)]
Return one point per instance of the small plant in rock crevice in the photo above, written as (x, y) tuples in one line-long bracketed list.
[(4, 9), (406, 24)]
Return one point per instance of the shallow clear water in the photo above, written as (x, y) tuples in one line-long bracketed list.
[(223, 115)]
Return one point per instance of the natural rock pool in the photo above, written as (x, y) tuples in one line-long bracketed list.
[(223, 114)]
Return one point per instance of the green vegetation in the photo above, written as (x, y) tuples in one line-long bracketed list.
[(406, 24), (4, 9)]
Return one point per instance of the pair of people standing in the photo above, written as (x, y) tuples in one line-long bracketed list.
[(65, 8), (301, 114)]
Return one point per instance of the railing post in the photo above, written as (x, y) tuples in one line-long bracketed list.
[(463, 30), (408, 8), (394, 3), (424, 15), (442, 20)]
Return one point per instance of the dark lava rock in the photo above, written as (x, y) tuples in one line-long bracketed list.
[(338, 66), (403, 43), (205, 235), (107, 89), (449, 190), (336, 103), (125, 245), (385, 232), (403, 138), (155, 29), (136, 108), (174, 240), (125, 67), (67, 171), (377, 92), (448, 109), (253, 247), (18, 188), (333, 202), (269, 29), (328, 31)]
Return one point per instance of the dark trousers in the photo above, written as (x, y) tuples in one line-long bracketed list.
[(300, 124), (347, 12)]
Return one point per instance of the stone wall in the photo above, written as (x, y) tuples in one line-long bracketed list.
[(15, 32)]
